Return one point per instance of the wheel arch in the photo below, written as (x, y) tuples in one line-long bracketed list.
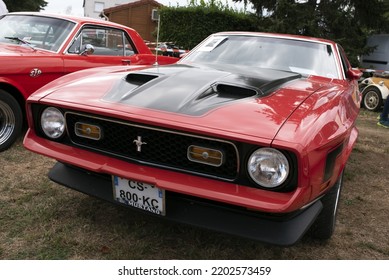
[(17, 95), (381, 88)]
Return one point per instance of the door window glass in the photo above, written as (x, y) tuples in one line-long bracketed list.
[(105, 41)]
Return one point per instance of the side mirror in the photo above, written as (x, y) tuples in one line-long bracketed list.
[(354, 74), (88, 50)]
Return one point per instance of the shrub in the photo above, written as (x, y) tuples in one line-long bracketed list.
[(187, 26)]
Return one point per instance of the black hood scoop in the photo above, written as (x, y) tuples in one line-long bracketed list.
[(194, 91), (235, 90), (228, 90), (139, 79)]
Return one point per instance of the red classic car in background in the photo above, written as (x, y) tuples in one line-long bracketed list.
[(248, 134), (36, 49)]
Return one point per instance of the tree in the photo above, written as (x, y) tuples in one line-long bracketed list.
[(386, 15), (25, 5), (188, 26), (348, 22)]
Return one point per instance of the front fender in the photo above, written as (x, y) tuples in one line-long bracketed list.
[(10, 85)]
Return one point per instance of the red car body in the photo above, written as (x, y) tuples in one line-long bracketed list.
[(249, 150), (36, 48)]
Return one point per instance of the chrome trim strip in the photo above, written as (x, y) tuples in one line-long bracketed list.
[(312, 202)]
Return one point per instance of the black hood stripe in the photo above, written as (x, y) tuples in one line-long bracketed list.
[(195, 90)]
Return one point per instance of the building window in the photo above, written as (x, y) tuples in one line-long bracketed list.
[(99, 7)]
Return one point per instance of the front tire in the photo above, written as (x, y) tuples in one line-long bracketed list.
[(11, 120), (324, 226), (372, 99)]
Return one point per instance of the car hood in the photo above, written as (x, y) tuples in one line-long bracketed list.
[(19, 50), (229, 101)]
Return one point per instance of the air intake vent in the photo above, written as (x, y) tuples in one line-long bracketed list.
[(139, 79), (236, 91)]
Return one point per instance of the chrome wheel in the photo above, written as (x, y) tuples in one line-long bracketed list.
[(372, 99), (10, 120), (7, 122)]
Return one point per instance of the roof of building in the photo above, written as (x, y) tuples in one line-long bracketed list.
[(132, 4)]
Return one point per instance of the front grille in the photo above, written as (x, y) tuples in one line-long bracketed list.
[(160, 147)]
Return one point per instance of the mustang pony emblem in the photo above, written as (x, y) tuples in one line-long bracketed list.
[(138, 142)]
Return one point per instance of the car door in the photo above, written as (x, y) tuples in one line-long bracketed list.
[(111, 47)]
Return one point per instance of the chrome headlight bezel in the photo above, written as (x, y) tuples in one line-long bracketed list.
[(268, 168), (52, 123)]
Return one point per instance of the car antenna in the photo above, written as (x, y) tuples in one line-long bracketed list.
[(156, 47)]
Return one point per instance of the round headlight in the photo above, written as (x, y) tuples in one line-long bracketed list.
[(53, 122), (268, 167)]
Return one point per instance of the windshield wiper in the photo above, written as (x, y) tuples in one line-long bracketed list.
[(21, 41)]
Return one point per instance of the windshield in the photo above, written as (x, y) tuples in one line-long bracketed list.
[(304, 57), (38, 32)]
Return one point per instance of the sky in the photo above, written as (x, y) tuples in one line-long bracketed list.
[(61, 6)]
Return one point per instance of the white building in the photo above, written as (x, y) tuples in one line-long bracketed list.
[(93, 8), (3, 8)]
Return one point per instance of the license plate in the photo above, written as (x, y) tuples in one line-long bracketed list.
[(140, 195)]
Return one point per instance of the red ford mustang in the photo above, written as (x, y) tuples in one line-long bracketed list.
[(249, 134), (36, 49)]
